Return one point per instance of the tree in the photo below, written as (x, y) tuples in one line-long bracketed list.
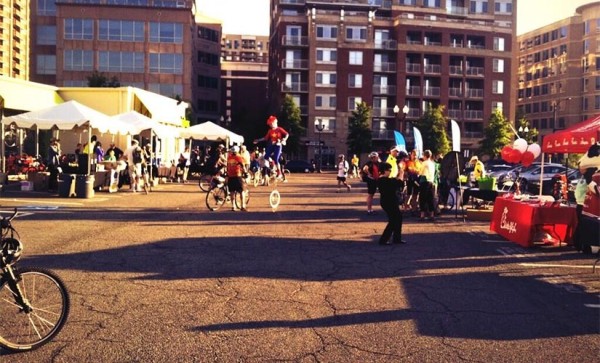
[(99, 79), (289, 118), (359, 133), (497, 134), (433, 129)]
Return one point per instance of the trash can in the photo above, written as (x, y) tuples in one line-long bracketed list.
[(84, 186), (66, 185)]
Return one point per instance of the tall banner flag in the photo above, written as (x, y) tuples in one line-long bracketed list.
[(400, 141), (455, 135), (418, 142)]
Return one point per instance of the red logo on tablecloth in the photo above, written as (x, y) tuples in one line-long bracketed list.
[(510, 226)]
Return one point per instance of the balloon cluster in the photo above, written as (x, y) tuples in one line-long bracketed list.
[(520, 152)]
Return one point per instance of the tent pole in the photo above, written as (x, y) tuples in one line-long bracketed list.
[(37, 141), (2, 140), (90, 150), (459, 193), (541, 176)]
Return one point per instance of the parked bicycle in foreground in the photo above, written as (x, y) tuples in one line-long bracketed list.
[(34, 302)]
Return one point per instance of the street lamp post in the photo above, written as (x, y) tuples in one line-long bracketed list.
[(524, 132), (320, 126), (405, 110)]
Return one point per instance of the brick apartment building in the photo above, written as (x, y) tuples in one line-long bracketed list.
[(559, 71), (14, 38), (329, 55)]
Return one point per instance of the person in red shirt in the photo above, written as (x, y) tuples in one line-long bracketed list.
[(236, 169), (275, 138)]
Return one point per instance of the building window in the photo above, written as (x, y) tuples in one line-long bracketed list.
[(479, 7), (432, 3), (121, 30), (353, 102), (326, 55), (503, 6), (166, 89), (498, 87), (499, 65), (127, 62), (499, 44), (46, 7), (356, 33), (325, 102), (79, 29), (355, 80), (171, 63), (166, 33), (328, 123), (78, 60), (326, 78), (208, 82), (46, 35), (497, 106), (408, 2), (46, 64), (355, 58), (326, 32), (210, 35)]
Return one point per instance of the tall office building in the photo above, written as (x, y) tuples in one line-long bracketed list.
[(329, 55), (14, 38), (207, 69), (146, 44), (559, 71), (244, 77)]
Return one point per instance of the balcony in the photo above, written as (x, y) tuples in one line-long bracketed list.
[(384, 90), (474, 71), (294, 64), (386, 44), (455, 70), (413, 113), (473, 134), (292, 2), (455, 114), (455, 92), (431, 91), (474, 93), (387, 67), (413, 91), (473, 114), (432, 69), (294, 41), (382, 112), (382, 134), (294, 87), (413, 68), (457, 10)]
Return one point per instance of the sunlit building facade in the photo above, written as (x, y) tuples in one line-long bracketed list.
[(14, 38)]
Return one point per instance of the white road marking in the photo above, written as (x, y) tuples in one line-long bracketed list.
[(554, 265), (593, 306), (45, 201)]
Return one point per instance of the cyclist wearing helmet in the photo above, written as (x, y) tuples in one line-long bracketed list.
[(236, 169)]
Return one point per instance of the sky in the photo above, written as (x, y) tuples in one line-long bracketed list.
[(252, 16)]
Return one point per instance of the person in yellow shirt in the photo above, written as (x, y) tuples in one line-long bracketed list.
[(354, 166), (413, 167), (478, 168)]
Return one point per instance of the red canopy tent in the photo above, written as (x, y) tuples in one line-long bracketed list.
[(575, 139)]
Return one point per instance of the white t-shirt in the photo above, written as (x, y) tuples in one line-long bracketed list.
[(186, 155), (428, 169), (342, 168)]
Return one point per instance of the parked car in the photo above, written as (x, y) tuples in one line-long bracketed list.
[(530, 178), (299, 166)]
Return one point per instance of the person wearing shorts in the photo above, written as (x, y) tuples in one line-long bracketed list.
[(342, 172), (235, 175)]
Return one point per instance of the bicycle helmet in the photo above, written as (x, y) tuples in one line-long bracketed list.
[(373, 154), (235, 149), (11, 250)]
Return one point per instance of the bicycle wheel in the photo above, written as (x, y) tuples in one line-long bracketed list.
[(215, 198), (274, 198), (238, 199), (22, 328), (204, 182)]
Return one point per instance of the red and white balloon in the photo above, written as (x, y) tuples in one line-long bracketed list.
[(520, 152)]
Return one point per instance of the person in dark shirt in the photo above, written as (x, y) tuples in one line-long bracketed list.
[(388, 189)]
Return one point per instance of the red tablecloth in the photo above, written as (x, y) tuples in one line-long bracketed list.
[(518, 221)]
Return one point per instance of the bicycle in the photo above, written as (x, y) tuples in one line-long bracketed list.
[(219, 193), (34, 302)]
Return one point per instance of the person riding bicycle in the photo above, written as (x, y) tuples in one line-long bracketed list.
[(216, 161), (236, 172), (276, 137)]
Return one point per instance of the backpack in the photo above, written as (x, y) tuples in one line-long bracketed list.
[(137, 155)]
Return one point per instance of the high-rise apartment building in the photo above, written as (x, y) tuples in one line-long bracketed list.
[(14, 38), (146, 44), (244, 78), (559, 71), (329, 55)]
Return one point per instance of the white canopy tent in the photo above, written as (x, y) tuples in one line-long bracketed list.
[(70, 115), (211, 132)]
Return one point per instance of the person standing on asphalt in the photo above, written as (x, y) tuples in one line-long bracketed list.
[(53, 164), (388, 200), (342, 173), (235, 176), (371, 173), (426, 176), (134, 162)]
